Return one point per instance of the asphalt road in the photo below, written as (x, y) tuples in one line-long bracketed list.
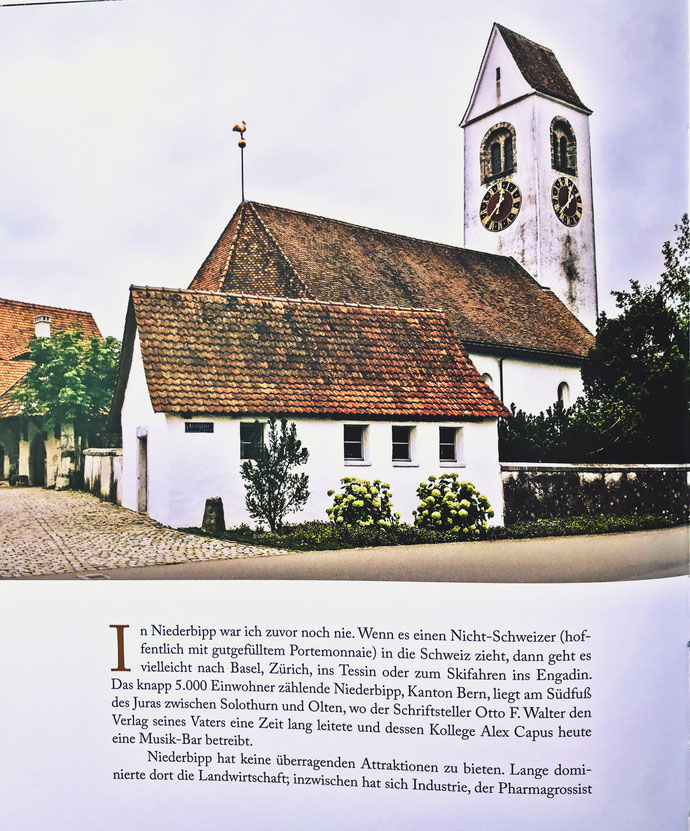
[(603, 558)]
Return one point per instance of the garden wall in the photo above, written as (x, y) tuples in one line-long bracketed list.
[(102, 473), (543, 491)]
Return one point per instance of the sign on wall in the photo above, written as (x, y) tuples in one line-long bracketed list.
[(198, 426)]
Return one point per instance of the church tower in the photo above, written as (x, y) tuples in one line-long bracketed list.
[(528, 179)]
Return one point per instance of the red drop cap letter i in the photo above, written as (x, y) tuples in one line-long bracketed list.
[(120, 647)]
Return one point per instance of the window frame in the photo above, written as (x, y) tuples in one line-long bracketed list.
[(458, 446), (411, 443), (501, 134), (260, 428), (563, 134), (363, 441)]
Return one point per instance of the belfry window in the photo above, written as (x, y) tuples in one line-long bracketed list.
[(496, 161), (497, 155), (563, 147)]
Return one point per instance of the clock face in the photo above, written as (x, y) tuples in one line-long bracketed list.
[(500, 205), (566, 200)]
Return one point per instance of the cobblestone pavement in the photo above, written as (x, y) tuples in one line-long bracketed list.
[(50, 532)]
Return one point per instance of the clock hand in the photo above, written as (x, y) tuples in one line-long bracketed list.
[(498, 204)]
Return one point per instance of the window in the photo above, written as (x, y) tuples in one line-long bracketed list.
[(497, 155), (402, 444), (354, 442), (251, 438), (564, 394), (563, 147), (450, 445), (488, 380)]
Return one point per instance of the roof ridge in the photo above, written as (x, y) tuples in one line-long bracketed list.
[(303, 300), (278, 246), (382, 231), (503, 28), (45, 306), (233, 247)]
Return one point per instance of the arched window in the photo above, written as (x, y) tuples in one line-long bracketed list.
[(564, 394), (563, 147), (496, 163), (488, 380), (497, 156)]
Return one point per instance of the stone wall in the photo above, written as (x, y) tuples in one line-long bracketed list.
[(103, 472), (542, 491)]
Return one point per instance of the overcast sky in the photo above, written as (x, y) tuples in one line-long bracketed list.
[(119, 164)]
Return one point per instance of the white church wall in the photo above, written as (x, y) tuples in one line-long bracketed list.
[(520, 239), (566, 254), (531, 385), (489, 94), (186, 468), (557, 256), (138, 421)]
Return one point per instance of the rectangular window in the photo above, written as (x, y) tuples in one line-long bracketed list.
[(354, 446), (251, 438), (402, 441), (450, 445)]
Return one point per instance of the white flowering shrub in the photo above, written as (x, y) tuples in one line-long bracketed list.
[(362, 503), (446, 504)]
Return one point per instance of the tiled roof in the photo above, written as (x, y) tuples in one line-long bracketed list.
[(17, 326), (540, 68), (207, 352), (489, 299), (10, 373)]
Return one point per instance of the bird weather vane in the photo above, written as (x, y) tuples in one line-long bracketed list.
[(241, 144)]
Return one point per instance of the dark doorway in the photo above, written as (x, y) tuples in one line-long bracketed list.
[(142, 476), (37, 461)]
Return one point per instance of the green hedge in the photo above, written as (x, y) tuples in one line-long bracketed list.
[(324, 536)]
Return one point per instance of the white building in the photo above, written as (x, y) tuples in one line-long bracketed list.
[(376, 393)]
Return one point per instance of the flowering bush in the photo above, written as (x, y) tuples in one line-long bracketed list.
[(362, 503), (447, 504)]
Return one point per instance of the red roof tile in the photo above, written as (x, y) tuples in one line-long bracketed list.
[(208, 352), (11, 372), (489, 299), (17, 326)]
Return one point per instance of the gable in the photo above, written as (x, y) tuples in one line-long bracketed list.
[(209, 352), (486, 94), (526, 67), (488, 299)]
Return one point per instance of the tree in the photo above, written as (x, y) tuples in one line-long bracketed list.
[(71, 381), (640, 359), (272, 491), (636, 379)]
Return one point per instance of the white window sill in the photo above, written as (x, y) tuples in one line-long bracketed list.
[(357, 463), (452, 464), (405, 464)]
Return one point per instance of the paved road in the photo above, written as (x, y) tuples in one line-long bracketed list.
[(602, 558), (44, 532), (72, 535)]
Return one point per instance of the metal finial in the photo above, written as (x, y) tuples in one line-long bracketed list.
[(241, 144)]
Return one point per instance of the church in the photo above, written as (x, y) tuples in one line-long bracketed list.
[(392, 354)]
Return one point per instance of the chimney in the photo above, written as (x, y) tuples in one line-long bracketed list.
[(42, 323)]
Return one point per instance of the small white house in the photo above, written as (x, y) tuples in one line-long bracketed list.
[(375, 392)]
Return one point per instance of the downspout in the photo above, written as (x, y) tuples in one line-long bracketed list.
[(500, 379)]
